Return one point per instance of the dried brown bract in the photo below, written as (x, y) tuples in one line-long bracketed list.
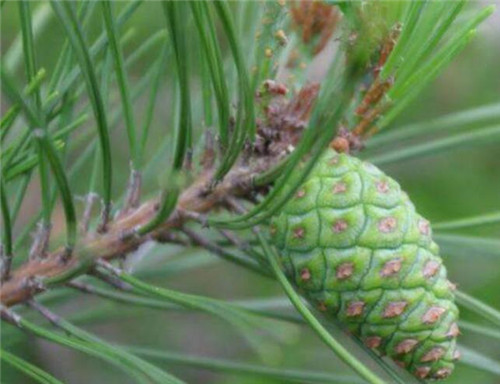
[(316, 20)]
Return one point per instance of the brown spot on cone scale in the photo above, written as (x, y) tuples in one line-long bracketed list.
[(373, 341), (382, 186), (454, 331), (394, 309), (391, 268), (387, 224), (406, 346), (432, 315), (298, 233), (300, 193), (355, 308), (339, 187), (431, 268), (442, 373), (339, 226), (344, 270), (422, 372), (305, 274), (434, 354), (424, 227)]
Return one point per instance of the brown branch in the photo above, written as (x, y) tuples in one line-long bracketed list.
[(117, 240)]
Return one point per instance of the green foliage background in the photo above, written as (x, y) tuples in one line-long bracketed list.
[(455, 183)]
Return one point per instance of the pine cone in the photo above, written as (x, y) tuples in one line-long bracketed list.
[(352, 243)]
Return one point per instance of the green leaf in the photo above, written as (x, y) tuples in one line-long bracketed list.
[(206, 31), (41, 20), (245, 118), (65, 82), (175, 13), (474, 221), (467, 245), (91, 348), (437, 19), (403, 92), (89, 149), (395, 59), (9, 117), (228, 366), (113, 33), (134, 362), (444, 124), (28, 369), (241, 319), (72, 27), (481, 136), (46, 147), (478, 360), (6, 228), (168, 203), (155, 85), (274, 15), (31, 71), (21, 192), (478, 307), (65, 60), (22, 167), (63, 185), (480, 329)]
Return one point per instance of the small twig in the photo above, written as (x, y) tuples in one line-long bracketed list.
[(133, 193), (188, 160), (209, 156), (204, 242), (221, 252), (195, 216), (10, 316), (109, 267), (110, 279), (33, 285), (239, 208), (87, 213), (45, 312), (39, 247), (83, 287), (235, 240), (235, 205), (5, 264), (172, 238), (104, 220)]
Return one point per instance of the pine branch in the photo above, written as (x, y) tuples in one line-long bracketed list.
[(262, 154), (122, 238)]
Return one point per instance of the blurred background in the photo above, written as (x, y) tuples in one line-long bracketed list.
[(452, 184)]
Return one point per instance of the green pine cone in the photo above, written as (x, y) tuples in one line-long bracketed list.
[(353, 244)]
